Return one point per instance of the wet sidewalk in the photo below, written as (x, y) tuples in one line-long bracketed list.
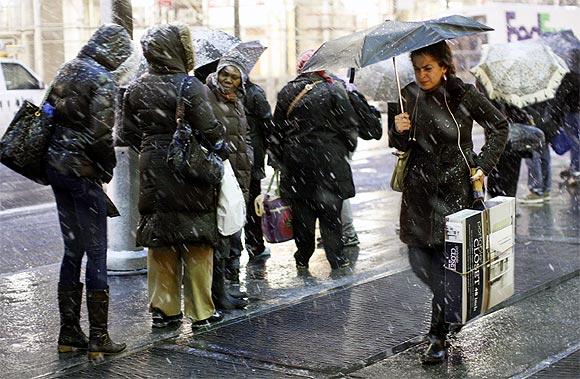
[(313, 325)]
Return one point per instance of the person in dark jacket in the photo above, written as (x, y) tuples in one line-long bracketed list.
[(564, 115), (503, 181), (368, 123), (312, 138), (80, 159), (225, 96), (178, 217), (259, 116), (437, 129)]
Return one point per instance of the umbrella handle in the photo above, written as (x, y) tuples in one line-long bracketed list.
[(351, 73), (398, 85)]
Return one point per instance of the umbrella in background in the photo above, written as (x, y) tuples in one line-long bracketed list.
[(387, 40), (520, 73), (246, 53), (378, 82), (565, 44), (209, 46)]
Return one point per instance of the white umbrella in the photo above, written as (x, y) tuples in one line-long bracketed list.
[(520, 73), (378, 81)]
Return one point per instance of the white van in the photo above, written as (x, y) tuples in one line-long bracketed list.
[(17, 83)]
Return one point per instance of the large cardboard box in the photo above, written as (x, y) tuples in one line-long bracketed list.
[(479, 251), (465, 269), (501, 213)]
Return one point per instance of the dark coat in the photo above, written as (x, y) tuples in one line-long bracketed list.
[(173, 211), (437, 181), (237, 139), (312, 143), (368, 122), (84, 95), (259, 116)]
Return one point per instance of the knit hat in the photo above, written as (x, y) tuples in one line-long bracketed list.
[(303, 59)]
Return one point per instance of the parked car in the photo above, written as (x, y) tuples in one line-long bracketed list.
[(17, 83)]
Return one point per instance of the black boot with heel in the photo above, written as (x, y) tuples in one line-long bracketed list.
[(436, 351), (71, 337), (100, 343)]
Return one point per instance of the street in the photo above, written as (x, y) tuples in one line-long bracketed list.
[(366, 323)]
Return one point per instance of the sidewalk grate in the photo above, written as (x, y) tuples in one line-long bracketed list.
[(342, 330), (162, 363), (568, 367)]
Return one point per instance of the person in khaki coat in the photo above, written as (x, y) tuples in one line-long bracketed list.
[(226, 94), (178, 217)]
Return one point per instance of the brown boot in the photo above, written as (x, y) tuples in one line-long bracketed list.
[(71, 337), (100, 343)]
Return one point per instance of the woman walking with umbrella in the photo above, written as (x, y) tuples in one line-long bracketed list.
[(442, 164)]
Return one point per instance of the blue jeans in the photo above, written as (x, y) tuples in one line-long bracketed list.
[(82, 213), (540, 171), (572, 129)]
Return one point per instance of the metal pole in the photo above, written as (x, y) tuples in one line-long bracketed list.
[(237, 18), (38, 50), (106, 11), (398, 85), (123, 257)]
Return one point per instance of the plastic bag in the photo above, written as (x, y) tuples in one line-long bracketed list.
[(231, 211)]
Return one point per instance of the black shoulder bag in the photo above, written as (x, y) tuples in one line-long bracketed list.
[(186, 155)]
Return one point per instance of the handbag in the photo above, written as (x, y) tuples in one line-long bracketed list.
[(400, 170), (561, 143), (231, 210), (187, 156), (24, 146), (276, 214)]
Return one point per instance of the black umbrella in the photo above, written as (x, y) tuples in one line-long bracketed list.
[(388, 40), (565, 44)]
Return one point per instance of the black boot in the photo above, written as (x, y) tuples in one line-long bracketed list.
[(235, 291), (219, 294), (436, 351), (233, 276), (71, 336), (100, 343)]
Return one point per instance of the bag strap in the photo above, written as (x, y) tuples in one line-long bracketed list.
[(307, 88), (276, 177), (180, 114), (180, 109)]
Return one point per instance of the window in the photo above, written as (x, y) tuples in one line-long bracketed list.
[(17, 77)]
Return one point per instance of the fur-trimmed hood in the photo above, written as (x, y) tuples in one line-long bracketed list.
[(168, 48)]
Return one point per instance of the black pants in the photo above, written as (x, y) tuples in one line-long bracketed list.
[(326, 207), (253, 229), (503, 181), (428, 265), (230, 250)]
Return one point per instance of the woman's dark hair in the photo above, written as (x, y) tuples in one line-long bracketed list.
[(441, 52)]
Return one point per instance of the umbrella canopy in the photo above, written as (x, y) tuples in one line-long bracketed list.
[(565, 44), (387, 40), (210, 45), (246, 54), (520, 73), (378, 82)]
